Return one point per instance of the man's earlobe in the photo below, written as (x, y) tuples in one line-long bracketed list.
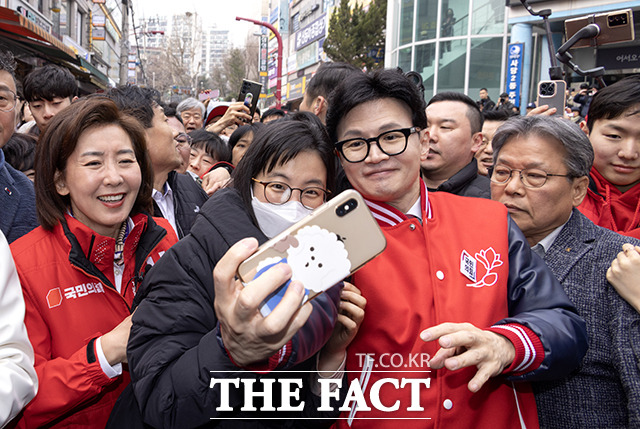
[(584, 127), (476, 140), (424, 145), (580, 186)]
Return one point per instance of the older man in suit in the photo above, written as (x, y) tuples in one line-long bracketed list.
[(541, 175), (17, 197)]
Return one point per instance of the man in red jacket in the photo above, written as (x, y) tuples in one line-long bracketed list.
[(613, 126), (457, 299)]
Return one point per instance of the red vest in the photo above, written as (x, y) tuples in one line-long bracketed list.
[(66, 308), (418, 282)]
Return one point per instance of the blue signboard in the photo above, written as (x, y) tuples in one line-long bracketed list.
[(514, 72), (311, 33)]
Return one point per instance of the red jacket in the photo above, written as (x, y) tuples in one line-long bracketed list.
[(70, 301), (609, 208), (454, 267)]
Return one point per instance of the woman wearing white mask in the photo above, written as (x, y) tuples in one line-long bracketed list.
[(183, 335)]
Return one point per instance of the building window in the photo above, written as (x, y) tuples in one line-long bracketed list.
[(64, 18), (452, 68), (427, 20), (485, 66), (455, 18), (488, 17), (426, 66), (79, 27), (404, 60), (406, 21)]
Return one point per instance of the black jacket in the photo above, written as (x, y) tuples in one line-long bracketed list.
[(174, 349), (486, 104), (188, 199), (467, 183)]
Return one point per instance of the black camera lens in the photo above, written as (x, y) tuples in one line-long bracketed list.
[(617, 20), (547, 89), (347, 207)]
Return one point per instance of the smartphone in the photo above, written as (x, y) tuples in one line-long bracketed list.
[(322, 249), (616, 26), (250, 94), (553, 94)]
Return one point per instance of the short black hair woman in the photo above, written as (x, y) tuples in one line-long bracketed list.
[(80, 269), (193, 326)]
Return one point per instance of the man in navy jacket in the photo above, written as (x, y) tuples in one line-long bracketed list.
[(17, 197)]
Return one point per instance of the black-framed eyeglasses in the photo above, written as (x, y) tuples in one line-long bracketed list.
[(279, 193), (183, 139), (530, 177), (391, 143), (8, 100)]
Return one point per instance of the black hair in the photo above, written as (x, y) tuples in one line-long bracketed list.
[(277, 144), (496, 115), (171, 112), (473, 112), (360, 88), (210, 143), (241, 131), (135, 101), (615, 100), (48, 82), (484, 89), (273, 112), (328, 77), (20, 151)]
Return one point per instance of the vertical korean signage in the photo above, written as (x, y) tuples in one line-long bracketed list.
[(514, 72), (263, 67)]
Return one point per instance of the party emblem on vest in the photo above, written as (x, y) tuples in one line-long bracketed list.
[(488, 259)]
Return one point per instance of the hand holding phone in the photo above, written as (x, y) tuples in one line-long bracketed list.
[(553, 94), (322, 249), (248, 336), (250, 94)]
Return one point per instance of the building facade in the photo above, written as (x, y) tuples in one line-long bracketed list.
[(215, 47), (83, 35), (463, 45), (455, 45)]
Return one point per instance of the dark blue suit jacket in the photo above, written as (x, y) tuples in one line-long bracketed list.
[(17, 202)]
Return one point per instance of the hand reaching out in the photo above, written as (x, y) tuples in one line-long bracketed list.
[(237, 113), (215, 180), (463, 345)]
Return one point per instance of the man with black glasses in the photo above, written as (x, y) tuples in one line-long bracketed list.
[(458, 307), (17, 197)]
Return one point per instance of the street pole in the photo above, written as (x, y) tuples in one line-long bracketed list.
[(124, 44), (278, 60)]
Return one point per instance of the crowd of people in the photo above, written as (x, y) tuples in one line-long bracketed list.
[(509, 280)]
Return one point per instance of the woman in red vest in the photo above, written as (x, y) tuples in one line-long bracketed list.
[(80, 269)]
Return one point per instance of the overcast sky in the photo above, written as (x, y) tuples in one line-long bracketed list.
[(220, 12)]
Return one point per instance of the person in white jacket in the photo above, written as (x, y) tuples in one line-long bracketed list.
[(18, 381)]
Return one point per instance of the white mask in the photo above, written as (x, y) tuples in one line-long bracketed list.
[(273, 218)]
